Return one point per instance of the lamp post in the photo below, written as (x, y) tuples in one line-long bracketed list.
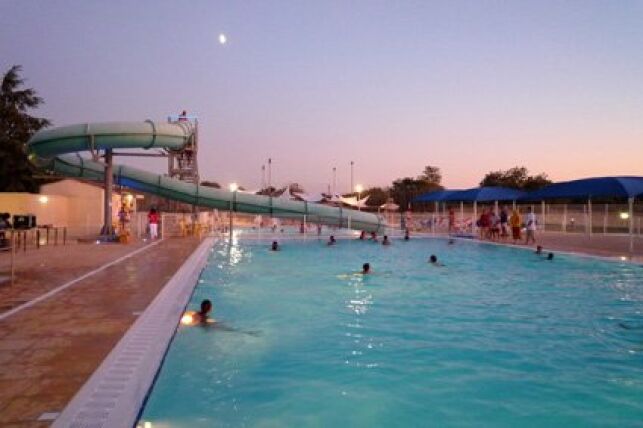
[(352, 163), (270, 176), (263, 177), (334, 181), (358, 189)]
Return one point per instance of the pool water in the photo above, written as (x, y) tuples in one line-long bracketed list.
[(497, 337)]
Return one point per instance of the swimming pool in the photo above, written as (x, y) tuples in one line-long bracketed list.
[(496, 337)]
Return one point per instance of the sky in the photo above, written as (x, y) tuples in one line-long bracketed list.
[(468, 86)]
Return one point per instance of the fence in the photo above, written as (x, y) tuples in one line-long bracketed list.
[(568, 218)]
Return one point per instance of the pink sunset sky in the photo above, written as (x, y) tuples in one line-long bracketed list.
[(466, 86)]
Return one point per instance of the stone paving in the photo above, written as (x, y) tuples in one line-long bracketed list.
[(49, 350)]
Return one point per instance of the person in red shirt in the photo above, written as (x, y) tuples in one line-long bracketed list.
[(153, 220)]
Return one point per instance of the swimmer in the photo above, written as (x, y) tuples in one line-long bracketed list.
[(362, 236), (202, 317), (539, 249), (385, 241), (275, 246), (451, 241), (373, 236), (550, 256), (331, 240), (366, 269), (434, 260), (406, 235)]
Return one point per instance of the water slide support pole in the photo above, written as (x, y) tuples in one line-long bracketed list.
[(108, 230)]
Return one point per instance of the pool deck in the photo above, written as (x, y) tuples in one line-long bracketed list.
[(49, 350), (609, 246)]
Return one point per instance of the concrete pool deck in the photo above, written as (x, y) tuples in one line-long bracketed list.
[(49, 350), (609, 246)]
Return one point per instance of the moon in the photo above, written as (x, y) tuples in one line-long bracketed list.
[(222, 39)]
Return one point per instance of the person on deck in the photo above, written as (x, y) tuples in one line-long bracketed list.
[(515, 221), (153, 220), (530, 223)]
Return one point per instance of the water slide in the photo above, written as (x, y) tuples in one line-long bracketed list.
[(57, 150)]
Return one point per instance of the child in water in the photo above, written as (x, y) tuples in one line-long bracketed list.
[(434, 260), (366, 269)]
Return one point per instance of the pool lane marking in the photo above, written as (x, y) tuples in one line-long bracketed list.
[(60, 288)]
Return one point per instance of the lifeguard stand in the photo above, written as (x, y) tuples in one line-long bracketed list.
[(183, 164)]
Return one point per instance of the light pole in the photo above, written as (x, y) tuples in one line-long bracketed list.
[(270, 176), (358, 189), (334, 181), (263, 177), (352, 163)]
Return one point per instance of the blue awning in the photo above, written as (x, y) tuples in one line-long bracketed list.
[(435, 196), (485, 194), (598, 187)]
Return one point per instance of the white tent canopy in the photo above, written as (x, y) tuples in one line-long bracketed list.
[(354, 202), (390, 206)]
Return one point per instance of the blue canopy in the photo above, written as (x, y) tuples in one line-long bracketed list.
[(435, 196), (598, 187), (477, 194), (485, 194)]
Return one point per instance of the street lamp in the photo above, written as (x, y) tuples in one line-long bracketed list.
[(358, 189)]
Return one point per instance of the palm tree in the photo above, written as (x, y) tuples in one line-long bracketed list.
[(16, 127)]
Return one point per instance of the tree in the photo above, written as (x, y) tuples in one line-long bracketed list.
[(431, 174), (17, 126), (296, 188), (376, 196), (404, 190), (516, 178)]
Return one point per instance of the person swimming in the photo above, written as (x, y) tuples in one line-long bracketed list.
[(331, 240), (550, 256), (202, 316), (406, 235), (366, 269), (275, 246), (451, 241), (386, 241), (539, 249), (434, 260), (362, 235), (373, 236)]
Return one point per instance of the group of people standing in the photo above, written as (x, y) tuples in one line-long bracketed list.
[(495, 225)]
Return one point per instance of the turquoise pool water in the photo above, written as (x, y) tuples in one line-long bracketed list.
[(496, 337)]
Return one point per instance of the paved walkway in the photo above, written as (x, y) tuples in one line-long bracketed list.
[(616, 246), (48, 351)]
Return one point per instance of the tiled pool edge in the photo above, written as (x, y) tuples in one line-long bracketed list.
[(114, 394)]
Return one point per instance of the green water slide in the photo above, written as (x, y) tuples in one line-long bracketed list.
[(57, 150)]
